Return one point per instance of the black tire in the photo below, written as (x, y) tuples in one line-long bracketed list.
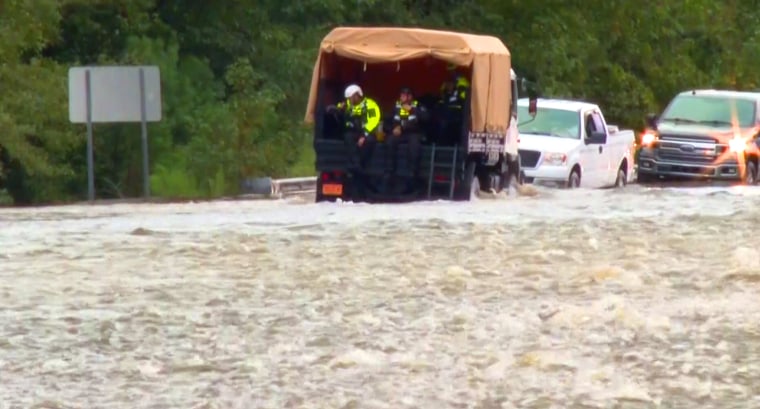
[(464, 190), (574, 180), (750, 173), (511, 175), (318, 196), (622, 178), (474, 188)]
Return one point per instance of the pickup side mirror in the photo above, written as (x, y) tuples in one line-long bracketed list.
[(529, 86), (596, 138), (533, 107), (652, 121)]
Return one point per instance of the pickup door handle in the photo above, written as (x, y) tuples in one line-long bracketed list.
[(600, 148)]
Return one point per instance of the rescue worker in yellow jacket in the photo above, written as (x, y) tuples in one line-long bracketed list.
[(363, 117), (406, 127), (454, 93), (454, 90)]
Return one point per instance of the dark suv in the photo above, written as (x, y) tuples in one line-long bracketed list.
[(703, 134)]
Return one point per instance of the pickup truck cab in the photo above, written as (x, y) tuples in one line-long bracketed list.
[(569, 143), (703, 134)]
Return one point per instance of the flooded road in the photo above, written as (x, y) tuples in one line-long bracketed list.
[(637, 298)]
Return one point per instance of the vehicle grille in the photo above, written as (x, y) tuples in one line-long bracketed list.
[(696, 149), (675, 157), (529, 159), (689, 138)]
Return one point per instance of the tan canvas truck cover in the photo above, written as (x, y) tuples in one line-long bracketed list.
[(490, 59)]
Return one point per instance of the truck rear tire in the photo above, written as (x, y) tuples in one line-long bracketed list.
[(750, 173), (470, 181), (622, 178), (474, 188), (512, 173), (574, 180)]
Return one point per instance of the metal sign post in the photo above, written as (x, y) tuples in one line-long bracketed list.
[(144, 129), (115, 94), (90, 153)]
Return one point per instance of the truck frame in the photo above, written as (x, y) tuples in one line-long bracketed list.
[(475, 152)]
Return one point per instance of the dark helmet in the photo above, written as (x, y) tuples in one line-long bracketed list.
[(406, 90)]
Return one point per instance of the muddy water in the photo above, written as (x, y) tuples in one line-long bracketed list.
[(570, 299)]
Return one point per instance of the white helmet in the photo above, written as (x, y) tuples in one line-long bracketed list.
[(351, 90)]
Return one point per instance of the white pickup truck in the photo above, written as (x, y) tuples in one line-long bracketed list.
[(568, 143)]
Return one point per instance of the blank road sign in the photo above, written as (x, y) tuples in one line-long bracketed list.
[(114, 93)]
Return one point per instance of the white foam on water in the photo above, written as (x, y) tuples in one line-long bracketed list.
[(559, 298)]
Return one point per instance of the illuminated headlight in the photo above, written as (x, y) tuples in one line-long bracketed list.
[(737, 145), (648, 138), (555, 158)]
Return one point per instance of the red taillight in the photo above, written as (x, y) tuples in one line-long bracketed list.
[(325, 177), (337, 174), (440, 178)]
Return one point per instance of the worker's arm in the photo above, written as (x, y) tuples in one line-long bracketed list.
[(462, 93), (339, 107), (373, 117), (396, 116), (412, 121)]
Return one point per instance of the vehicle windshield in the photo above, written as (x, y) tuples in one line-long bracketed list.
[(715, 111), (548, 121)]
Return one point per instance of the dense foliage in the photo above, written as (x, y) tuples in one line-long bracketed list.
[(235, 76)]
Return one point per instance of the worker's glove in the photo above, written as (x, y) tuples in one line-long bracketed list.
[(397, 130)]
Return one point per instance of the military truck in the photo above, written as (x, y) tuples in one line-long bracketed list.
[(460, 155)]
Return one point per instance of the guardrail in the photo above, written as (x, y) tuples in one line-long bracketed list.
[(294, 186), (267, 187)]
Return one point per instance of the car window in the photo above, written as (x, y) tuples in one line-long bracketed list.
[(548, 121), (710, 110), (598, 122), (590, 125)]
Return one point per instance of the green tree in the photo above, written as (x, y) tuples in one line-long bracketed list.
[(235, 77)]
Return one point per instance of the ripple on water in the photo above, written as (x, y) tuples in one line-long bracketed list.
[(580, 299)]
